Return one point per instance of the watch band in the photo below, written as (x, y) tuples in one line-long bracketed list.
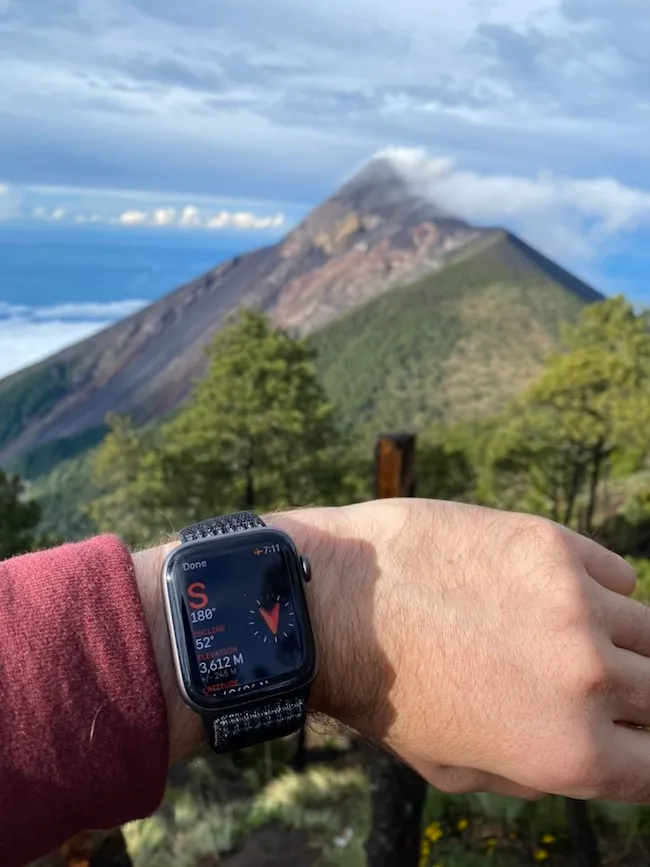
[(275, 718), (234, 523), (268, 719)]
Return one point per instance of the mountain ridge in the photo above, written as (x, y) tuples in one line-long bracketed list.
[(373, 235)]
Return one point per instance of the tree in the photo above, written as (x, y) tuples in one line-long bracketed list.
[(127, 469), (19, 517), (586, 415), (257, 433), (446, 462)]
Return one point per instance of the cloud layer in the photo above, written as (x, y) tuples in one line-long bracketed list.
[(105, 207), (29, 334), (277, 99), (568, 217)]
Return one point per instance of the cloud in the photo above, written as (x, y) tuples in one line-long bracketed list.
[(244, 220), (304, 89), (24, 343), (132, 218), (76, 311), (275, 101), (29, 334), (163, 216), (189, 216), (569, 216), (81, 206)]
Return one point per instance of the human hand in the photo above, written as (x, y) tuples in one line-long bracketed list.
[(489, 650)]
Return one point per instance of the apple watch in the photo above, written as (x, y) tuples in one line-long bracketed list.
[(242, 641)]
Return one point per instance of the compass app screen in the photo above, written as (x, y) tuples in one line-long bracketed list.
[(240, 614)]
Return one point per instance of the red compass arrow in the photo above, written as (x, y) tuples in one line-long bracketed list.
[(272, 617)]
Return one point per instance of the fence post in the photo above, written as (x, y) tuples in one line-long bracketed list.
[(397, 792), (583, 834)]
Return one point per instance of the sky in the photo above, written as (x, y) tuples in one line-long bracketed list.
[(237, 116)]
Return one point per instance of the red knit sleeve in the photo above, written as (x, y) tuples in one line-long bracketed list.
[(83, 731)]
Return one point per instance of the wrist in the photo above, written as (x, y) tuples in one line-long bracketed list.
[(337, 595), (349, 683), (186, 731)]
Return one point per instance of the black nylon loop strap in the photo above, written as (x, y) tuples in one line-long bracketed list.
[(266, 720), (276, 718), (221, 526)]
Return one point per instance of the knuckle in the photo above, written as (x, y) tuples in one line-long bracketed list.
[(543, 534), (591, 672), (583, 773), (572, 607)]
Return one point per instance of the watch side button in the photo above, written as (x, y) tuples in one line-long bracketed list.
[(306, 568)]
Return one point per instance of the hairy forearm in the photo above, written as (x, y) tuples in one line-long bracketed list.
[(326, 537)]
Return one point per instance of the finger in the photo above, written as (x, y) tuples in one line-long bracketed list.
[(459, 781), (630, 781), (628, 623), (605, 567), (631, 699)]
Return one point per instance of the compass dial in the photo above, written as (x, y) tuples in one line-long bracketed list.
[(272, 618)]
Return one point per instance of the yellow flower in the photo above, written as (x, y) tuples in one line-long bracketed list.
[(434, 832), (425, 848), (540, 855), (462, 824), (491, 841), (548, 838)]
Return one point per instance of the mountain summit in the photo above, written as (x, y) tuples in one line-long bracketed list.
[(372, 237), (380, 188)]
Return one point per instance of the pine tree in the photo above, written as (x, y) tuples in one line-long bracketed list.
[(586, 416), (19, 517), (257, 433)]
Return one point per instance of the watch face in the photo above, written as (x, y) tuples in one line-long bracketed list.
[(239, 618)]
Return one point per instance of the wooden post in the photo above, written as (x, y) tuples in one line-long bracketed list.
[(397, 792), (395, 466), (583, 834)]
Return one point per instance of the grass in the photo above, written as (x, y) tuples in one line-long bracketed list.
[(330, 807)]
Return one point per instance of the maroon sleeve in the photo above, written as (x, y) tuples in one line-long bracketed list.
[(83, 731)]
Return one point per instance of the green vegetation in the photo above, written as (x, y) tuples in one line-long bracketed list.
[(584, 419), (64, 496), (40, 461), (326, 811), (19, 518), (459, 344), (30, 395), (258, 433)]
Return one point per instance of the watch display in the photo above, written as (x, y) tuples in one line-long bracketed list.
[(237, 604)]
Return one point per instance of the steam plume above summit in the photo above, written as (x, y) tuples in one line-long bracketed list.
[(564, 216)]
